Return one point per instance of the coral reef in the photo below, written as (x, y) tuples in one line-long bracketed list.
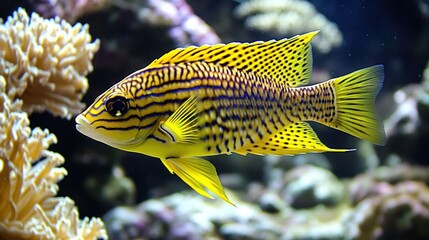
[(29, 174), (170, 218), (262, 213), (408, 122), (392, 212), (300, 191), (371, 183), (186, 216), (45, 62), (389, 203), (69, 10), (185, 28), (425, 78), (382, 204), (405, 119), (290, 17), (282, 201), (423, 98)]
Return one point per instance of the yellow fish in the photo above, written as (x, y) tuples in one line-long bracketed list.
[(231, 98)]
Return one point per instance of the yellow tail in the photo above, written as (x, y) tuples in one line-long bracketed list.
[(355, 97)]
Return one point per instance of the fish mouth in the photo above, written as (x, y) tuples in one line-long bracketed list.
[(84, 127), (81, 123)]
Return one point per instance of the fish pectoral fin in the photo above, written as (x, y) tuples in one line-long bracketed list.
[(182, 125), (199, 174), (296, 138)]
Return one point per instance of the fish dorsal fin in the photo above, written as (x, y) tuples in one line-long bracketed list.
[(287, 61), (198, 174), (296, 138), (182, 125)]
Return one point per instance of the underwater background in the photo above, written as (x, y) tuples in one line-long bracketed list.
[(375, 192)]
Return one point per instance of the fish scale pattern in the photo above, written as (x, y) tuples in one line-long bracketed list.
[(234, 102), (316, 103), (231, 104)]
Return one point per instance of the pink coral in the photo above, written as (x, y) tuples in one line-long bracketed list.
[(379, 181), (392, 212), (69, 10), (185, 27)]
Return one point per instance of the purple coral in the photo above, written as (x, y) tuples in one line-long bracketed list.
[(392, 212), (185, 27), (69, 10), (379, 181)]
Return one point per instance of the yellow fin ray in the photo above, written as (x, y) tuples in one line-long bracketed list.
[(296, 138), (355, 97), (198, 174), (182, 125), (288, 61)]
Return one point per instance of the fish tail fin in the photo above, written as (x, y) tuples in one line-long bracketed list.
[(355, 104)]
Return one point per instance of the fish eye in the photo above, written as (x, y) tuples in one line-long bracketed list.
[(117, 106)]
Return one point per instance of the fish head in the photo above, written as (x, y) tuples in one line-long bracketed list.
[(113, 119)]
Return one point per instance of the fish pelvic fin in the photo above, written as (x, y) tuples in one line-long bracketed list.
[(295, 138), (199, 174), (355, 103), (182, 125)]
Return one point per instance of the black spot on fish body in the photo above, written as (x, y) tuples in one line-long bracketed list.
[(241, 141), (218, 149), (250, 138)]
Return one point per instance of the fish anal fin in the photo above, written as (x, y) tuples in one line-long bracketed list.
[(241, 151), (287, 61), (199, 174), (182, 125), (296, 138)]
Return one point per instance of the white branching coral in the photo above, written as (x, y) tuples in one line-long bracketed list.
[(45, 62), (290, 17), (28, 183)]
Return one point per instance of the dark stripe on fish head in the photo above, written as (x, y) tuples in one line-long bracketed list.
[(115, 118)]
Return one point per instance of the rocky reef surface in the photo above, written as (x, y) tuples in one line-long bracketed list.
[(305, 202)]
